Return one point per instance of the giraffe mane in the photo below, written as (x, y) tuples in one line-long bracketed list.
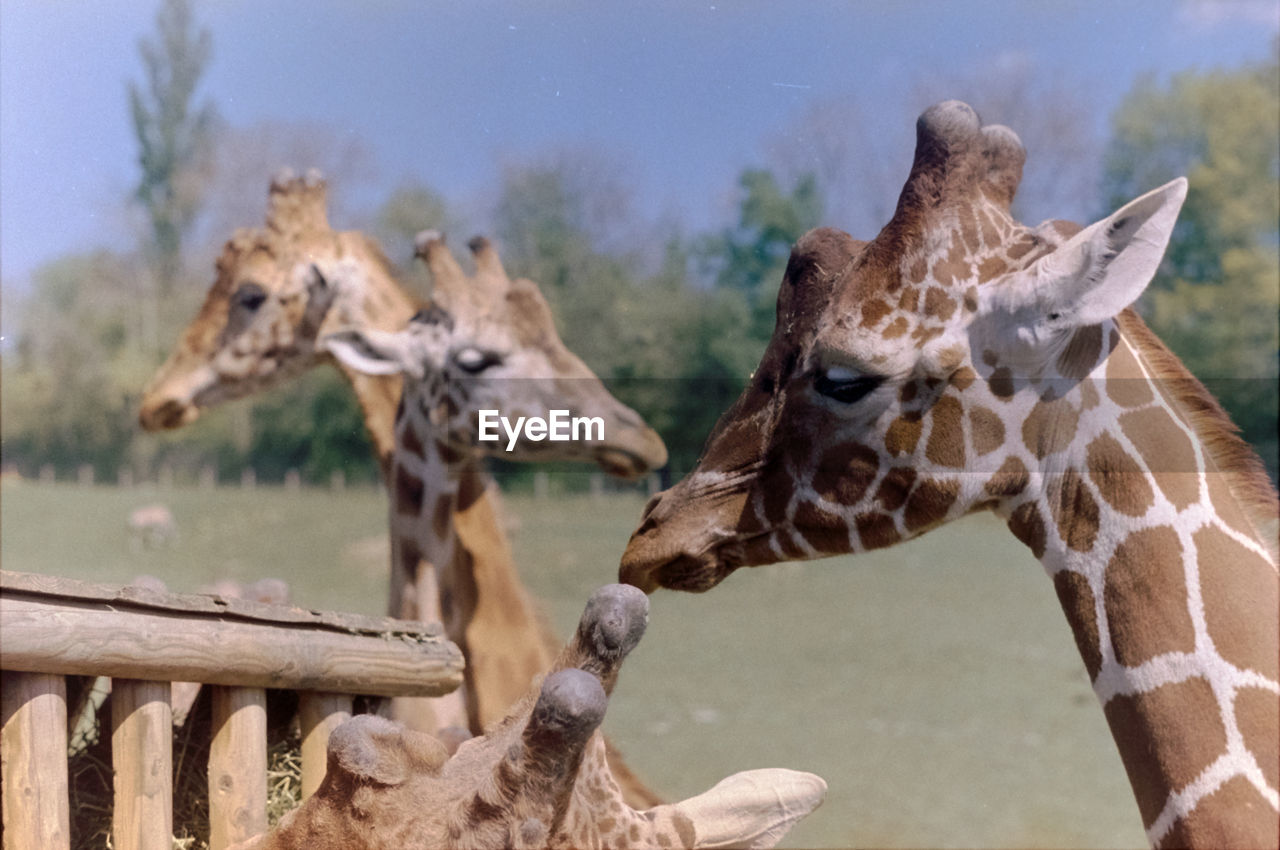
[(1248, 480)]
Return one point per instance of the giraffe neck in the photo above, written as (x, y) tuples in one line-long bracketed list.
[(369, 297), (1171, 593)]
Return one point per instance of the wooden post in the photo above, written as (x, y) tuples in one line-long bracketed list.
[(292, 480), (248, 478), (142, 757), (208, 478), (237, 766), (124, 477), (337, 480), (597, 485), (33, 761), (541, 485), (318, 715), (47, 474), (84, 475)]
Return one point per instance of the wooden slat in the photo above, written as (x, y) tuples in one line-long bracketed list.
[(213, 605), (318, 715), (237, 766), (51, 635), (142, 757), (33, 761)]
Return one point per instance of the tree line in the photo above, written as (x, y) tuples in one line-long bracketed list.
[(674, 321)]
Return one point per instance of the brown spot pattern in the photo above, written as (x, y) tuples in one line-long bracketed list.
[(963, 378), (1167, 451), (971, 300), (1145, 594), (1089, 398), (873, 311), (938, 304), (1075, 512), (1121, 482), (991, 268), (1157, 759), (1009, 480), (1125, 382), (903, 433), (1258, 718), (440, 516), (1028, 526), (953, 267), (896, 328), (876, 530), (986, 430), (1076, 598), (1241, 608), (908, 300), (1081, 354), (1050, 427), (845, 472), (825, 532), (893, 490), (409, 490), (929, 502), (1229, 817), (1001, 383), (410, 442), (946, 438), (1022, 246), (919, 269)]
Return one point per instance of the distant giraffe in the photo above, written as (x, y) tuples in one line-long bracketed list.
[(278, 288), (487, 343), (537, 779), (961, 361)]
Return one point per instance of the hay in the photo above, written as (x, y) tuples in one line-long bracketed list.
[(90, 773)]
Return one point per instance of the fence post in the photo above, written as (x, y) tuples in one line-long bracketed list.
[(338, 480), (124, 477), (318, 715), (208, 478), (47, 474), (142, 756), (597, 485), (164, 478), (292, 480), (653, 484), (237, 766), (84, 475), (33, 752), (248, 478)]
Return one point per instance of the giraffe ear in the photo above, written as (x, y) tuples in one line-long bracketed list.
[(1095, 274), (752, 809), (374, 352)]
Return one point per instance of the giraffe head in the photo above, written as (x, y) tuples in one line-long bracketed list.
[(913, 378), (278, 287), (490, 344), (538, 778)]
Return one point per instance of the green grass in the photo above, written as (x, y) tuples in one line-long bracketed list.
[(935, 686)]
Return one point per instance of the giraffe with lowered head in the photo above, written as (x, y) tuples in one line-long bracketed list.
[(278, 288), (961, 361), (537, 779)]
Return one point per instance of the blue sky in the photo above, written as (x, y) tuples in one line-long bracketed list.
[(681, 95)]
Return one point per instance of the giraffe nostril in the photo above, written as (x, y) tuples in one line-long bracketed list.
[(650, 505)]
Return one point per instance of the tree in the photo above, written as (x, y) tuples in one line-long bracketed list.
[(1216, 297), (173, 134), (750, 258)]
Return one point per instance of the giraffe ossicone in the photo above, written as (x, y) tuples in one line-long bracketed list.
[(961, 361), (537, 779)]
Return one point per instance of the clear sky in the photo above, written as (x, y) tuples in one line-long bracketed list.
[(685, 94)]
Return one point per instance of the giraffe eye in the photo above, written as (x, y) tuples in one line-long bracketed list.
[(845, 386), (249, 296), (474, 361)]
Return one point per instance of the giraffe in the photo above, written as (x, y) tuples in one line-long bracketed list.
[(537, 779), (278, 289), (961, 361), (486, 343)]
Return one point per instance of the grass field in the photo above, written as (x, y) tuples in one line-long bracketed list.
[(935, 686)]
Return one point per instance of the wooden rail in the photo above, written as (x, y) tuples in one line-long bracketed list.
[(54, 627)]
